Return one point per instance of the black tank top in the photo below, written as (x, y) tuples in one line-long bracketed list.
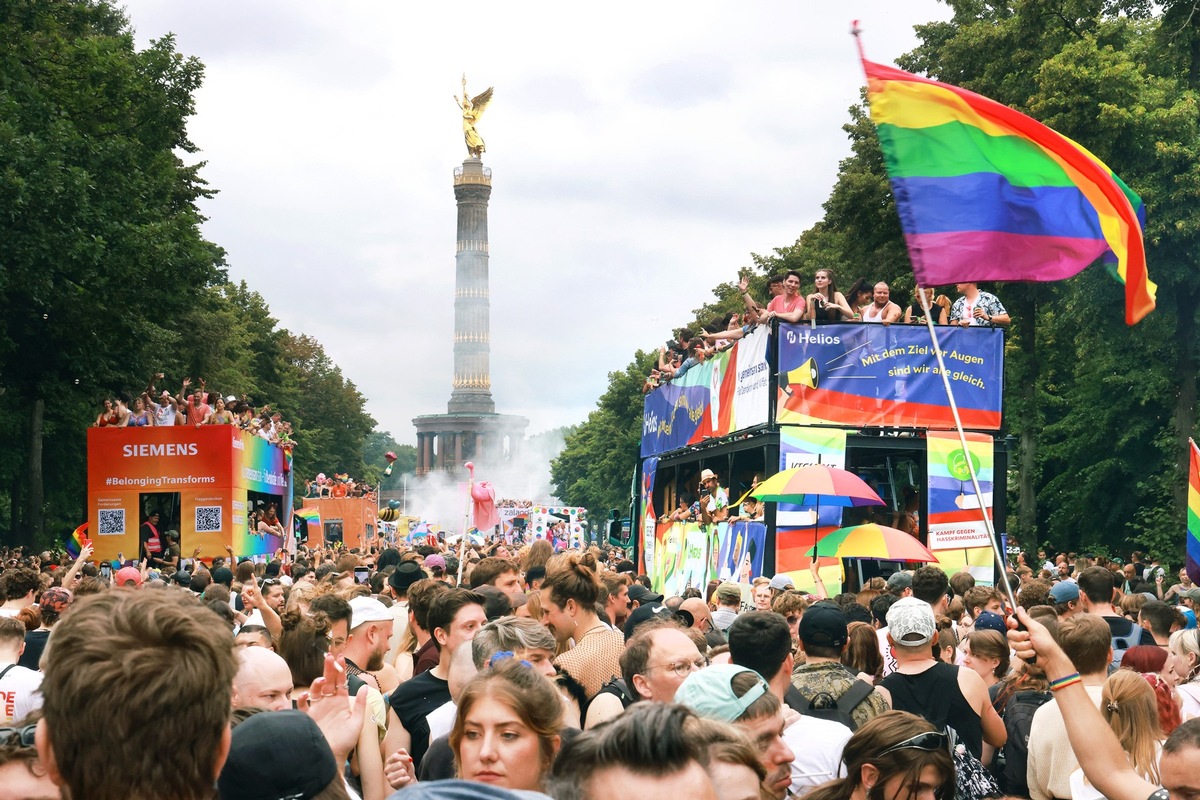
[(934, 695)]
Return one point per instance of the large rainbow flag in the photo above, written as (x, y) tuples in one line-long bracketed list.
[(309, 515), (1193, 514), (986, 193)]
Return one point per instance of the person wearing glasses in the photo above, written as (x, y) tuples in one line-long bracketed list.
[(656, 661), (21, 772), (895, 756)]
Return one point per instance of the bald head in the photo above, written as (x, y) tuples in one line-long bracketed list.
[(263, 680), (699, 611)]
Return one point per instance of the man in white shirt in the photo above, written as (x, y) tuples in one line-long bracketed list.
[(20, 587), (20, 688), (1086, 640)]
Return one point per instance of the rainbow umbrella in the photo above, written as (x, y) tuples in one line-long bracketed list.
[(817, 483), (873, 541)]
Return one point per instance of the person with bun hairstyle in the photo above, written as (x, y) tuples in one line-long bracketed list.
[(568, 599), (894, 756)]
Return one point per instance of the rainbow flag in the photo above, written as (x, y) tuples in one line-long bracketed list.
[(985, 193), (75, 540), (309, 515), (1193, 513)]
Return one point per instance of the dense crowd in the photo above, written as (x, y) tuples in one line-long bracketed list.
[(864, 302), (527, 673), (197, 406)]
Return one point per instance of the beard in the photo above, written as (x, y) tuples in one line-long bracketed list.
[(374, 662)]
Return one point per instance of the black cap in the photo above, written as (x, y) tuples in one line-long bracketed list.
[(182, 577), (222, 575), (655, 611), (643, 595), (277, 754), (823, 625), (405, 575)]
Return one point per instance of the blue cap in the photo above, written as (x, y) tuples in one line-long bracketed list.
[(1064, 592), (709, 692), (990, 621)]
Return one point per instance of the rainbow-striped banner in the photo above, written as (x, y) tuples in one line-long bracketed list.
[(309, 515), (75, 540), (985, 193), (1193, 513)]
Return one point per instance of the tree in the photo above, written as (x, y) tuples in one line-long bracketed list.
[(98, 216)]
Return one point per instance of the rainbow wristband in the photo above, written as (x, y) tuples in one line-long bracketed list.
[(1068, 680)]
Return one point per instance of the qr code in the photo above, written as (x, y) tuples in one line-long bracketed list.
[(112, 521), (208, 519)]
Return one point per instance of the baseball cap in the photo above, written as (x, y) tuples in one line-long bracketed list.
[(182, 578), (367, 609), (910, 622), (1064, 592), (277, 754), (782, 581), (222, 575), (643, 595), (435, 561), (655, 611), (709, 692), (729, 592), (125, 574), (1192, 594), (990, 621), (405, 575), (823, 624), (899, 581)]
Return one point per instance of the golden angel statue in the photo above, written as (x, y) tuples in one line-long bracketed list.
[(472, 110)]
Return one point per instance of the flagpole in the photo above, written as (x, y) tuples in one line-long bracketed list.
[(462, 543), (962, 440)]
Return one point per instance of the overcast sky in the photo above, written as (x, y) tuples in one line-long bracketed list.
[(640, 152)]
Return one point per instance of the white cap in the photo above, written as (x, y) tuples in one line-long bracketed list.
[(367, 609), (910, 622)]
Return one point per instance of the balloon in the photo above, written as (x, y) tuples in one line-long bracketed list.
[(320, 477), (393, 504)]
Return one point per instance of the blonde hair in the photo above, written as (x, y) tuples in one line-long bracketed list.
[(1131, 710), (1186, 645)]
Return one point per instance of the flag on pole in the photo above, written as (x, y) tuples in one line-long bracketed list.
[(1193, 513), (309, 515), (985, 193)]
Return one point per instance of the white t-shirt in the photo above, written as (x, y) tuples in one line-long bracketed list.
[(817, 744), (885, 649), (20, 693), (441, 719)]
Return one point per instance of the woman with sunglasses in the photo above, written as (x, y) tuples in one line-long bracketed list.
[(895, 756)]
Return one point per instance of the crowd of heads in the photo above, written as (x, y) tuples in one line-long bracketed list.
[(340, 673)]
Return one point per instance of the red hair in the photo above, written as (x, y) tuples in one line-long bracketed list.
[(1145, 658), (1169, 717)]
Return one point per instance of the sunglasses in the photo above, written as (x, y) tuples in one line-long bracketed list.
[(22, 735), (931, 742)]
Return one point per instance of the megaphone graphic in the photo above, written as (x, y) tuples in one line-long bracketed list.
[(805, 375)]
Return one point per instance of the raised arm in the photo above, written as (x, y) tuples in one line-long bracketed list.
[(1096, 746)]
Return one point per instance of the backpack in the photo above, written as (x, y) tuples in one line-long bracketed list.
[(823, 705), (1013, 759), (1122, 642)]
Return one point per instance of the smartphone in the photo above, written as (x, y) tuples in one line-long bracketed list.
[(361, 574), (106, 570)]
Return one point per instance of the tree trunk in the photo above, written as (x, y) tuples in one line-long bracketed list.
[(1185, 400), (35, 510), (1025, 323)]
